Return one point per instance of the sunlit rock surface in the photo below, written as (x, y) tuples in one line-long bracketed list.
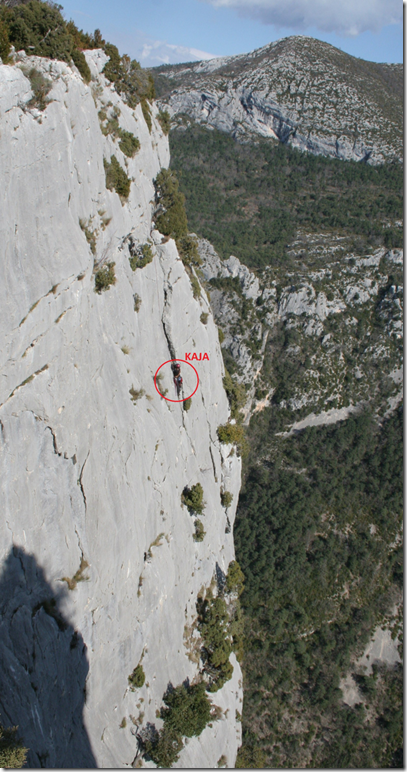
[(91, 481)]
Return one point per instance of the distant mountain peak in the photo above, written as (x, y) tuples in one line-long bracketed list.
[(298, 90)]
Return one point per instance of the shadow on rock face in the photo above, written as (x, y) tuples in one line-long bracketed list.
[(43, 668)]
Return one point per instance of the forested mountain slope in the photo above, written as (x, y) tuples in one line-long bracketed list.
[(310, 308), (298, 90)]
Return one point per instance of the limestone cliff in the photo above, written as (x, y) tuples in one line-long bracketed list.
[(99, 565)]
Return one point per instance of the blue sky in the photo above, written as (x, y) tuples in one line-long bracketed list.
[(155, 31)]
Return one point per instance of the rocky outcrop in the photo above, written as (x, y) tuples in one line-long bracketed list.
[(322, 312), (298, 90), (99, 566)]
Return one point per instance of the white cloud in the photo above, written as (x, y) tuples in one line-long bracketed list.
[(345, 17), (156, 52)]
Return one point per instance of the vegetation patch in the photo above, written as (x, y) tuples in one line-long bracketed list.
[(116, 177), (79, 60), (79, 576), (91, 235), (187, 246), (250, 199), (130, 80), (226, 499), (187, 404), (236, 394), (13, 754), (170, 217), (164, 120), (105, 277), (136, 394), (186, 713), (129, 144), (141, 256), (40, 85), (146, 110), (317, 586), (137, 678), (200, 532), (193, 499), (233, 434)]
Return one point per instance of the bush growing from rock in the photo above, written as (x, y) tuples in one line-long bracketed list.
[(204, 318), (193, 499), (129, 144), (164, 747), (40, 85), (235, 578), (116, 177), (136, 261), (146, 110), (226, 498), (196, 287), (187, 710), (236, 394), (213, 624), (80, 62), (12, 752), (165, 120), (171, 218), (188, 250), (105, 277), (130, 80), (187, 404), (137, 678), (232, 434), (136, 394), (199, 534)]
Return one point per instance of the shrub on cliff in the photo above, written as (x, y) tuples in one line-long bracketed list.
[(40, 86), (187, 710), (133, 83), (165, 120), (12, 752), (236, 394), (170, 218), (235, 578), (193, 499), (129, 144), (163, 747), (138, 260), (200, 532), (105, 277), (213, 624), (80, 62), (232, 434), (116, 177), (188, 249), (137, 678), (226, 498)]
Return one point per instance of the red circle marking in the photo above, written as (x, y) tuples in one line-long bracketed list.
[(166, 363)]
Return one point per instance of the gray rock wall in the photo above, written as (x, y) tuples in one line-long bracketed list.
[(89, 478)]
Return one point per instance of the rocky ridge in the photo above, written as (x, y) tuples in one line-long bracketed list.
[(340, 316), (99, 567), (297, 90)]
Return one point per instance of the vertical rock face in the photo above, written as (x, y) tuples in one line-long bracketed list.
[(99, 565)]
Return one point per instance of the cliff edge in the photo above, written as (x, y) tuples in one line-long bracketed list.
[(100, 570)]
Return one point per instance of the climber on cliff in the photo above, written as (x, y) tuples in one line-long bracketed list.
[(176, 369), (178, 384)]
